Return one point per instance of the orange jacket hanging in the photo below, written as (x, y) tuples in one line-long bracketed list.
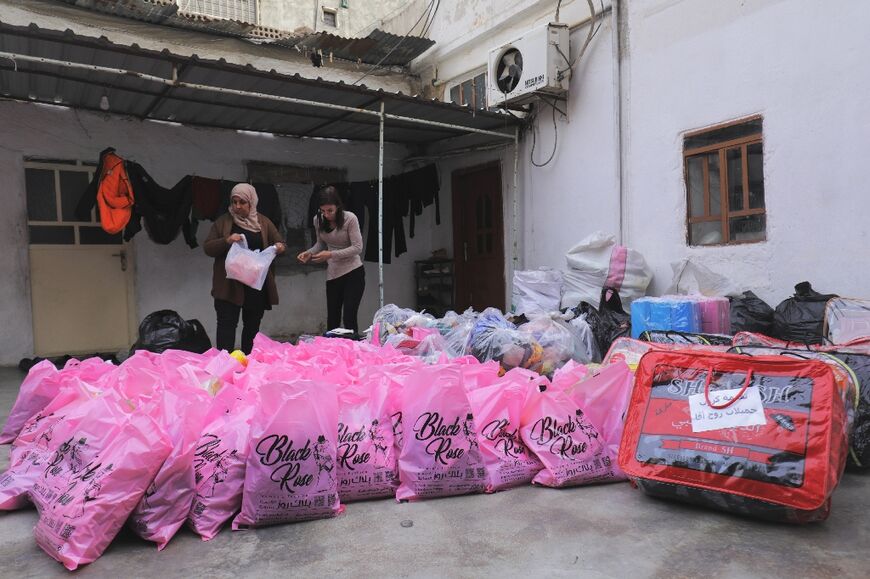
[(115, 195)]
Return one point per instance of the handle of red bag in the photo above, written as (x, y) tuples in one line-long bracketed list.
[(730, 402)]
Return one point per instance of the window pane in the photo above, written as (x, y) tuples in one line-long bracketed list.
[(695, 185), (749, 228), (487, 212), (72, 185), (715, 184), (735, 180), (467, 92), (41, 200), (329, 18), (752, 127), (454, 95), (96, 236), (480, 91), (756, 176), (52, 234), (708, 233)]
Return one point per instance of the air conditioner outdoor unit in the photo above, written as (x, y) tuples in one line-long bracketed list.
[(528, 66)]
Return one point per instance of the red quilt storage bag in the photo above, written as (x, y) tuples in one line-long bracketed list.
[(765, 437)]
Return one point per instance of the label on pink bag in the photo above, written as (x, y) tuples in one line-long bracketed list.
[(291, 472), (367, 466), (516, 465), (446, 457), (301, 481), (568, 444)]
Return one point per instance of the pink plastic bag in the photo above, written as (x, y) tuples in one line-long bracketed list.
[(31, 451), (569, 374), (367, 462), (99, 468), (219, 461), (604, 397), (166, 504), (35, 392), (498, 409), (570, 447), (291, 472), (440, 454)]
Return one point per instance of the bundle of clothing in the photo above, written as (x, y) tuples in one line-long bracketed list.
[(126, 195)]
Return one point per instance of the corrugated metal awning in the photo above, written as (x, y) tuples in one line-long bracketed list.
[(224, 96)]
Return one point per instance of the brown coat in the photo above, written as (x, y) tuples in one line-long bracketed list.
[(216, 246)]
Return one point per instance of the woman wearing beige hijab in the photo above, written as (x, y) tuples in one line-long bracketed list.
[(231, 297)]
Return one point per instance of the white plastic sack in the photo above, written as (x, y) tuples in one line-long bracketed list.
[(537, 291), (249, 267), (598, 261), (585, 344), (692, 278)]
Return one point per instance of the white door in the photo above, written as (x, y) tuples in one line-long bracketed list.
[(80, 276)]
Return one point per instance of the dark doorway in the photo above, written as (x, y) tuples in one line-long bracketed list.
[(478, 237)]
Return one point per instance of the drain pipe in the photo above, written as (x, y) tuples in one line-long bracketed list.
[(616, 48)]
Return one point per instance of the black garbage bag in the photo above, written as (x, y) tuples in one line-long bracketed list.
[(750, 313), (609, 322), (801, 318), (166, 330)]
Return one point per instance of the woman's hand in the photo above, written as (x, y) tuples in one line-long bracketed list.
[(304, 257), (321, 257), (234, 238), (280, 248)]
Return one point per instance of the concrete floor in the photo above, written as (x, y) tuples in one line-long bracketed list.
[(604, 531)]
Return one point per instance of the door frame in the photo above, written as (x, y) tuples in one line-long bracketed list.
[(126, 246), (458, 249)]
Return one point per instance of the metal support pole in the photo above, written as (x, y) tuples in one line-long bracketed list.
[(381, 211), (516, 215)]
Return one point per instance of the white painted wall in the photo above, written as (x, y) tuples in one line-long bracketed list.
[(175, 276), (688, 65), (800, 63)]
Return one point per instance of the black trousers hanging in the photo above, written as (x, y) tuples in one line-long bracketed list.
[(343, 296), (228, 321)]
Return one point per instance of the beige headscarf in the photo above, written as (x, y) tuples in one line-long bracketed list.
[(249, 194)]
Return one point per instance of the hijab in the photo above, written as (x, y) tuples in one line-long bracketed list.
[(248, 193)]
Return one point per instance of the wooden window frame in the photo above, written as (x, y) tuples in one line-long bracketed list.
[(725, 214)]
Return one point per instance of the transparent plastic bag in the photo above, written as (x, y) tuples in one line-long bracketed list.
[(249, 267), (556, 340), (495, 338), (846, 320), (537, 291), (391, 320)]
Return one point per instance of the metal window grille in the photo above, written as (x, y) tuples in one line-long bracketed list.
[(240, 10)]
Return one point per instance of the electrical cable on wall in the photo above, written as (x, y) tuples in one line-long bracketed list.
[(593, 30), (425, 14), (535, 140)]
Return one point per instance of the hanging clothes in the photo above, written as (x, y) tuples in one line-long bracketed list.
[(268, 203), (393, 224), (206, 198), (165, 211), (111, 191), (422, 187)]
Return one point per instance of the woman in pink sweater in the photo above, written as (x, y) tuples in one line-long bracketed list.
[(339, 245)]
